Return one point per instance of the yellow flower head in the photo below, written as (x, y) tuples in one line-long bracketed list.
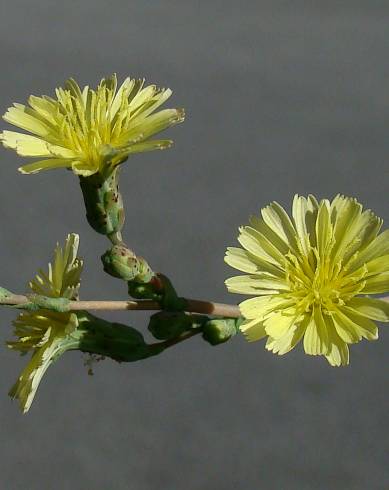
[(86, 130), (310, 276), (47, 333)]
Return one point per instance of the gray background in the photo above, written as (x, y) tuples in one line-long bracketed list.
[(281, 97)]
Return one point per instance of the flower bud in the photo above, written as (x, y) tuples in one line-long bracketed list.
[(121, 262), (219, 330)]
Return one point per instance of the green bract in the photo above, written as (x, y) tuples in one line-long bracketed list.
[(122, 263)]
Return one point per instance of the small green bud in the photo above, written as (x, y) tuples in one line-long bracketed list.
[(218, 331), (168, 325), (103, 201), (122, 263)]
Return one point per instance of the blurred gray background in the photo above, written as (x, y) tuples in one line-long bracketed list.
[(281, 97)]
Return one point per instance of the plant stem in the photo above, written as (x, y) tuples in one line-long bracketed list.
[(176, 340), (193, 306)]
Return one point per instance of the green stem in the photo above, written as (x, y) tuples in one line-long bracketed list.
[(177, 340)]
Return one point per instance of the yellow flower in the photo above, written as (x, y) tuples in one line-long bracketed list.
[(47, 333), (310, 276), (86, 130)]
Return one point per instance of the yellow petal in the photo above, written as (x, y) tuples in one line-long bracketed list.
[(375, 309), (279, 323), (31, 146), (262, 306), (260, 246), (377, 248), (73, 88), (255, 284), (28, 382), (25, 144), (324, 231), (85, 169), (288, 341), (239, 259), (63, 278), (143, 96), (49, 163), (125, 88), (147, 146), (253, 330), (19, 117), (377, 284), (304, 213), (156, 102), (338, 354), (277, 219), (267, 236), (354, 228), (153, 124), (247, 262), (45, 107), (351, 327), (363, 326), (316, 335)]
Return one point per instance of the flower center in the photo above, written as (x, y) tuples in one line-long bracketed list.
[(320, 283)]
